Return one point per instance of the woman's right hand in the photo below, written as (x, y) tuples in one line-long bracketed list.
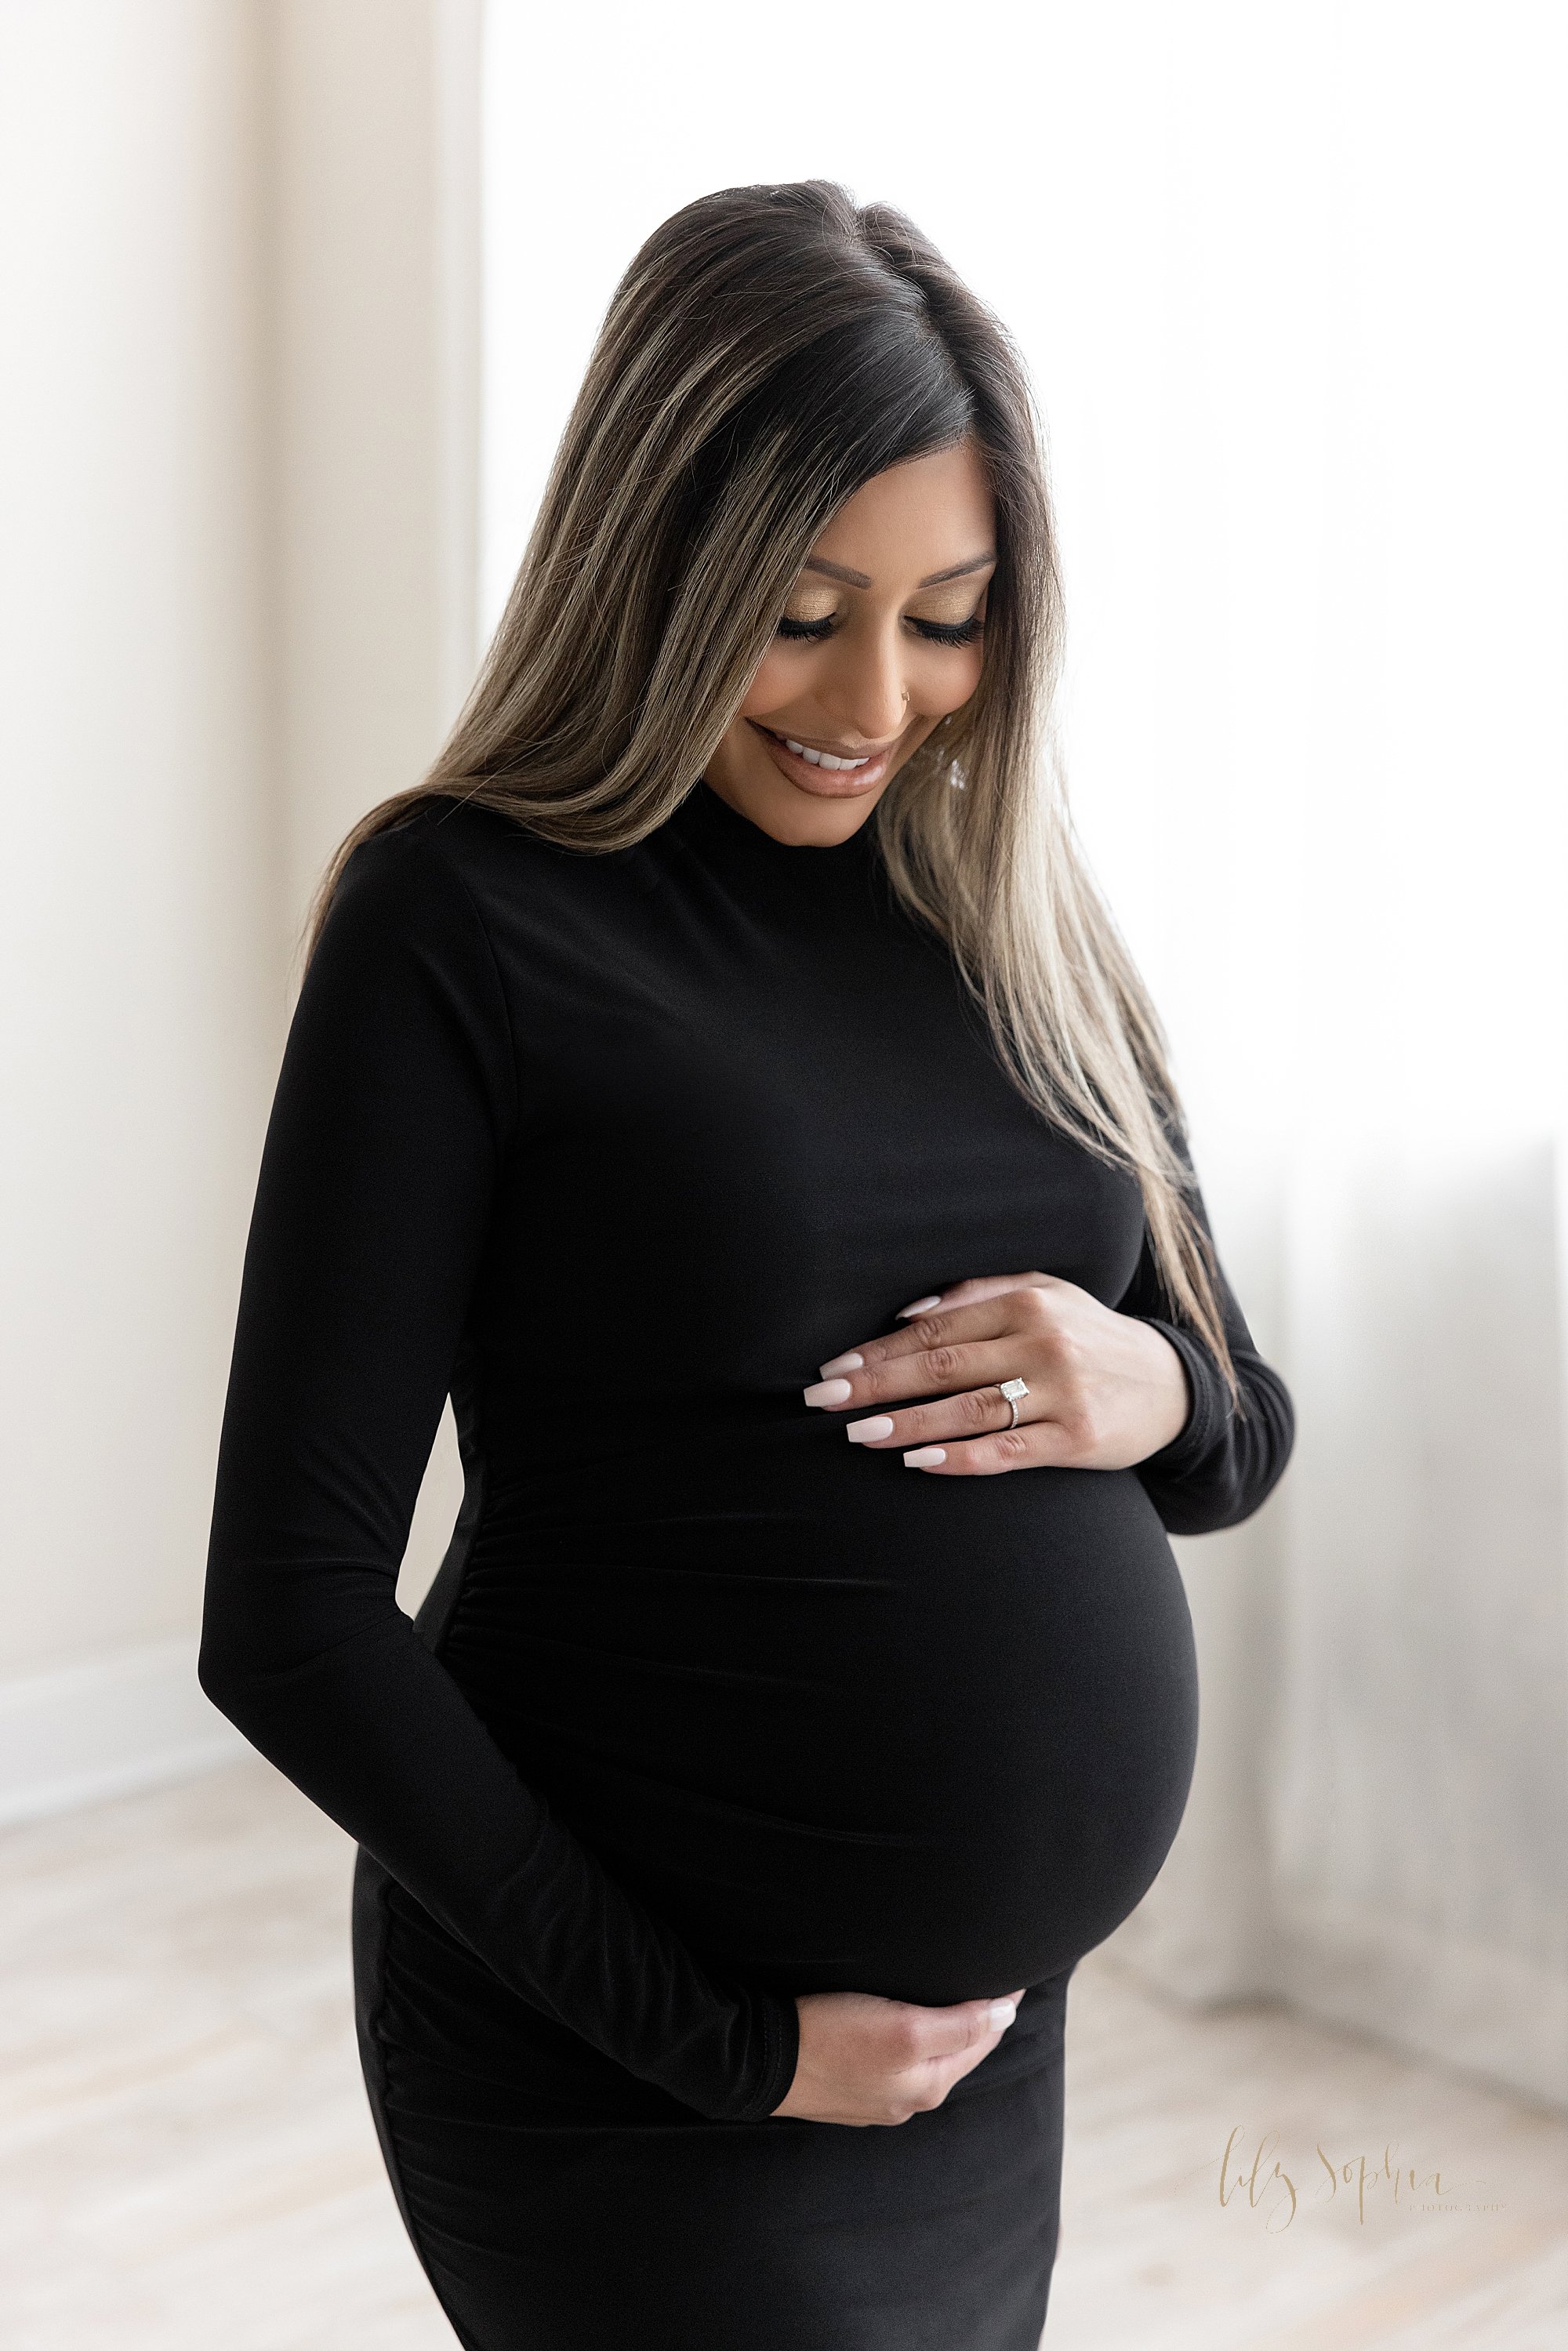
[(864, 2059)]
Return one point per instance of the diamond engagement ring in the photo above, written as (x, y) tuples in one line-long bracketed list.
[(1012, 1390)]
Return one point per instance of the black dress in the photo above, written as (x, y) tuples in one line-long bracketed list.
[(708, 1706)]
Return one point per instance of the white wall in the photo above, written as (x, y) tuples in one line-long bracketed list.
[(233, 612), (376, 216), (140, 1005)]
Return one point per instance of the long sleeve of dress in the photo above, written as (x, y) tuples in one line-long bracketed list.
[(395, 1110), (1223, 1464)]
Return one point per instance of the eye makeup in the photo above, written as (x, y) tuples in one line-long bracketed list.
[(936, 632)]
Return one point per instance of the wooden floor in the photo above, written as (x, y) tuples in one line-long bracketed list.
[(187, 2162)]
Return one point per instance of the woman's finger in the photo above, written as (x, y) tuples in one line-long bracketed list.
[(977, 1319), (974, 1411), (941, 2071), (964, 1293), (945, 1368), (947, 2032), (1040, 1445), (933, 2081), (999, 1303)]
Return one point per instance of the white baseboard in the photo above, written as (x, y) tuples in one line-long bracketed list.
[(106, 1728)]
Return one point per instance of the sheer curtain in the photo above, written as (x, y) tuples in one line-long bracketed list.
[(1291, 285)]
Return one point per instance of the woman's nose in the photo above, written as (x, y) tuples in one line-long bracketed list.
[(869, 697)]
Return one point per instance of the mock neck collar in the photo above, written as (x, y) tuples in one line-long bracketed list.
[(709, 814)]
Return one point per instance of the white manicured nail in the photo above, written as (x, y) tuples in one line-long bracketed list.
[(921, 1304), (1001, 2014), (860, 1432), (828, 1391), (925, 1457), (849, 1362)]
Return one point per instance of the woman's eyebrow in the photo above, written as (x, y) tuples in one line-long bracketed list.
[(837, 571), (976, 563), (862, 579)]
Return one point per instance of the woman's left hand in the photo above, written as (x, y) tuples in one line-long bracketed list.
[(1105, 1390)]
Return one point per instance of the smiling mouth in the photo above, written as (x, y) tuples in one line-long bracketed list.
[(834, 762)]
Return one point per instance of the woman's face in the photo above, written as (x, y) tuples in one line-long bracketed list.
[(881, 638)]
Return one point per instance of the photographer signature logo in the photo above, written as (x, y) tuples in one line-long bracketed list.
[(1255, 2179)]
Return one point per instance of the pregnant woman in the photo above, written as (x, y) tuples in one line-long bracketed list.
[(721, 1078)]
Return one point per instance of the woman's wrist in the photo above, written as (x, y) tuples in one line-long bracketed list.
[(1172, 1401)]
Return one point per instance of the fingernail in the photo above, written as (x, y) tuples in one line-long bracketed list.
[(860, 1432), (828, 1391), (849, 1362), (925, 1457), (1001, 2014), (921, 1304)]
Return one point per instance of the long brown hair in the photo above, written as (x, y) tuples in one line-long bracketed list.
[(769, 349)]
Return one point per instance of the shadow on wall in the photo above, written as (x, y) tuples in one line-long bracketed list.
[(1379, 1822), (1420, 1778)]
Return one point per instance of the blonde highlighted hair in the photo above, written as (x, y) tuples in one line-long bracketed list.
[(769, 349)]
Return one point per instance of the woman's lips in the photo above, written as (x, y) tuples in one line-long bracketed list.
[(828, 783)]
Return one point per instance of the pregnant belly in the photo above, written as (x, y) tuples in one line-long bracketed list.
[(929, 1737)]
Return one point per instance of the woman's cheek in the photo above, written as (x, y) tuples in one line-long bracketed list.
[(779, 677), (952, 686)]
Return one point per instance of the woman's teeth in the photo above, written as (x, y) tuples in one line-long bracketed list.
[(822, 758)]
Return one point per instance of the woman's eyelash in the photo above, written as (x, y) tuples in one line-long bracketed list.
[(939, 632), (951, 633)]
